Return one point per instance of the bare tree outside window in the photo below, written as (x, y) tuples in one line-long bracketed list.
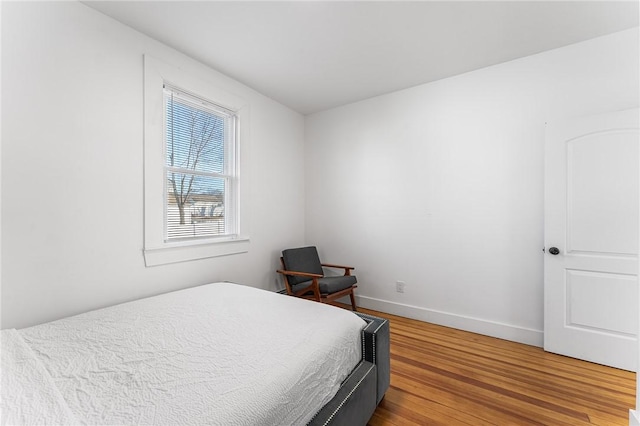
[(202, 133), (196, 137)]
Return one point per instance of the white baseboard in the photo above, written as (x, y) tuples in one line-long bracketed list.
[(634, 418), (488, 328)]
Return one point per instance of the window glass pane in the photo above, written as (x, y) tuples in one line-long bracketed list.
[(195, 206), (195, 134), (199, 143)]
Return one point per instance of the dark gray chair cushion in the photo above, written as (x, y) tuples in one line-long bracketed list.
[(329, 285), (303, 259)]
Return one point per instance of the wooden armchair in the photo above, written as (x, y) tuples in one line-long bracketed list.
[(304, 277)]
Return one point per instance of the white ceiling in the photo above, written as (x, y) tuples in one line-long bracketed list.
[(313, 56)]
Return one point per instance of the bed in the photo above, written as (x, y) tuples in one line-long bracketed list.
[(221, 353)]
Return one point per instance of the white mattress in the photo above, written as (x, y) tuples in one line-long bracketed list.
[(220, 354), (29, 396)]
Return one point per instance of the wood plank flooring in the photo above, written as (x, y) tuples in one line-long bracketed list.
[(443, 376)]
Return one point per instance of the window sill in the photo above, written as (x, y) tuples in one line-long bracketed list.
[(184, 253)]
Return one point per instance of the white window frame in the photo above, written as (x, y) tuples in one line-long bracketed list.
[(158, 251), (230, 163)]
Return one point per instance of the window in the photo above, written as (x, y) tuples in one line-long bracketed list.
[(200, 144), (195, 134)]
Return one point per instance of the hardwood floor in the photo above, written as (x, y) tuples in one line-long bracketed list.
[(443, 376)]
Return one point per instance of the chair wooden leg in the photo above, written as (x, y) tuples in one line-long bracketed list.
[(353, 301)]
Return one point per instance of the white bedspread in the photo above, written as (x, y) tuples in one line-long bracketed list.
[(220, 354), (29, 397)]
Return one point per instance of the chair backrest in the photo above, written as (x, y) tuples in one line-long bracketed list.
[(303, 259)]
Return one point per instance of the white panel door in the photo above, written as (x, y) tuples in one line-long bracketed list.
[(591, 238)]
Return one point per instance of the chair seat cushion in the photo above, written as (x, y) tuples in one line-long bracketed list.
[(330, 285)]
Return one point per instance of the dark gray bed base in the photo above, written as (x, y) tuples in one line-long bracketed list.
[(362, 391)]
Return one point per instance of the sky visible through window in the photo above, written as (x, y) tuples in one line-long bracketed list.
[(195, 168)]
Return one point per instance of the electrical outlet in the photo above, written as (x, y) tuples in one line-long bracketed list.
[(400, 286)]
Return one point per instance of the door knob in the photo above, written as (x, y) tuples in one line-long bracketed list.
[(554, 250)]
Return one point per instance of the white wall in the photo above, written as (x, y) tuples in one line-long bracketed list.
[(72, 168), (441, 185), (634, 415)]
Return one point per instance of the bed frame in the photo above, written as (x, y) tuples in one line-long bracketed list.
[(362, 391), (356, 399)]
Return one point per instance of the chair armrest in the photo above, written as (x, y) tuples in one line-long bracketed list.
[(347, 269), (299, 274), (301, 292)]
